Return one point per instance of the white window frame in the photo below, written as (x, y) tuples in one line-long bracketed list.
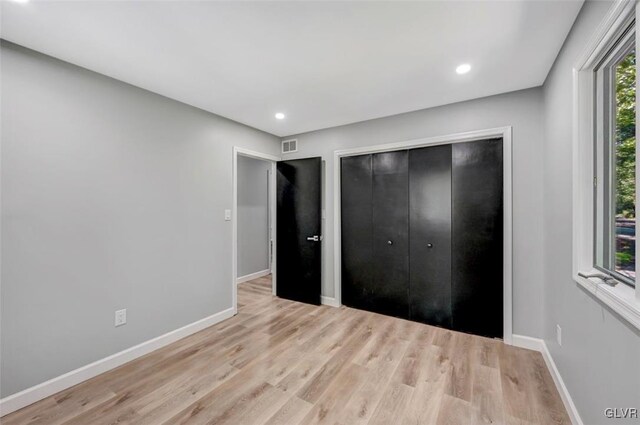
[(622, 298)]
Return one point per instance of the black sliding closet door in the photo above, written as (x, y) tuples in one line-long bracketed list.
[(430, 235), (390, 259), (422, 235), (357, 231), (477, 243)]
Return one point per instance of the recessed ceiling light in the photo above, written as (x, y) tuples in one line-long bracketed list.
[(463, 69), (280, 116), (20, 1)]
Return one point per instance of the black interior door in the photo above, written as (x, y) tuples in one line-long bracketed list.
[(357, 231), (477, 261), (298, 233), (390, 242), (430, 235)]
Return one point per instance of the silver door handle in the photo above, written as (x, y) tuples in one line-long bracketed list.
[(314, 238)]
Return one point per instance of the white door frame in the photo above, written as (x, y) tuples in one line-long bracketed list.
[(237, 151), (505, 134)]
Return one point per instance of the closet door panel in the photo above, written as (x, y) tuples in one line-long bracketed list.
[(430, 235), (357, 230), (390, 265), (477, 250)]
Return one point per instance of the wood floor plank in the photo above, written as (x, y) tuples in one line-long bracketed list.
[(262, 408), (545, 395), (454, 411), (280, 362), (424, 405), (461, 380), (515, 390), (291, 413), (332, 402), (385, 330), (486, 352), (320, 381), (302, 373), (365, 400), (485, 397), (39, 413), (165, 402), (412, 363), (392, 405)]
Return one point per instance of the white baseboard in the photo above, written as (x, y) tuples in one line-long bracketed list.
[(535, 344), (538, 344), (252, 276), (38, 392), (330, 301)]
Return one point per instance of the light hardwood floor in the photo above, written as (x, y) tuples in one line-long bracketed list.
[(282, 362)]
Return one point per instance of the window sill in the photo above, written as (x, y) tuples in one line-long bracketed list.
[(620, 298)]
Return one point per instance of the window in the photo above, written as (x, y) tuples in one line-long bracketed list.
[(605, 172), (615, 159)]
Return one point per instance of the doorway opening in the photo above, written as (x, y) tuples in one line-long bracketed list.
[(254, 223)]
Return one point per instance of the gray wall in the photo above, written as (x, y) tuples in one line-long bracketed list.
[(523, 111), (253, 215), (599, 359), (112, 197)]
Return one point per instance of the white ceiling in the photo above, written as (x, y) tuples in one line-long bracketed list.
[(322, 63)]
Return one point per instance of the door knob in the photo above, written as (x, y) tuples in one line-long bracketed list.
[(314, 238), (429, 245), (389, 242)]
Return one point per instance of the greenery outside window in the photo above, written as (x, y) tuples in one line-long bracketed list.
[(615, 159)]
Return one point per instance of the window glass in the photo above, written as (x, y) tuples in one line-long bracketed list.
[(625, 165)]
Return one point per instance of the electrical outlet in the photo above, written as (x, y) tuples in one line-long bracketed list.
[(121, 317), (559, 334)]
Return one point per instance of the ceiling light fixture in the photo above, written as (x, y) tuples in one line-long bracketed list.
[(20, 1), (463, 69), (280, 116)]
